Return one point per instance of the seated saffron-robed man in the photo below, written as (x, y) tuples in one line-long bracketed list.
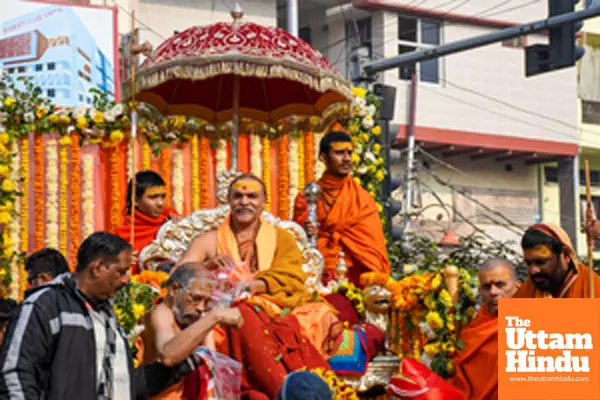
[(180, 324), (347, 215), (285, 326), (477, 363), (552, 265), (149, 215)]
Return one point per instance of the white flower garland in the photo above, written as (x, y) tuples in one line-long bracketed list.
[(294, 172), (221, 156), (319, 167), (129, 160), (256, 152), (87, 194), (14, 226), (177, 165), (52, 211)]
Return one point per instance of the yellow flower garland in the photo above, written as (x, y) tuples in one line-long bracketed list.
[(204, 160), (309, 156), (195, 173), (147, 153), (39, 192), (87, 197), (284, 178), (178, 180), (115, 190), (52, 207), (65, 142), (340, 390), (266, 151), (14, 231)]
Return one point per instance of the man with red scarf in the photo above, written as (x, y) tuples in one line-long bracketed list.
[(348, 218), (150, 212)]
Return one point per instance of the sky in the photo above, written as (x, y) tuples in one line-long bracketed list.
[(99, 22)]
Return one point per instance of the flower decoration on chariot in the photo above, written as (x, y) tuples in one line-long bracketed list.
[(377, 296)]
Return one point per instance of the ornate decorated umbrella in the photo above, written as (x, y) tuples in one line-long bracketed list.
[(227, 71)]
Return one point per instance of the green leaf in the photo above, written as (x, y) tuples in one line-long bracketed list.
[(285, 312), (460, 344), (279, 357)]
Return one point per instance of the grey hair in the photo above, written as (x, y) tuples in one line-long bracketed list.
[(185, 274), (499, 263)]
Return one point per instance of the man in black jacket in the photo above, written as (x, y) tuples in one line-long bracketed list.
[(65, 341)]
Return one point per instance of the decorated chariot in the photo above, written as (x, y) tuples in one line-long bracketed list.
[(207, 104)]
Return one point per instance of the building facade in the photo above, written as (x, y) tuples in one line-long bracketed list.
[(53, 47)]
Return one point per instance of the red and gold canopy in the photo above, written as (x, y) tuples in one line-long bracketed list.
[(194, 72)]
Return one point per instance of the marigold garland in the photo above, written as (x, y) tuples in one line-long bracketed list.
[(340, 390), (203, 167), (293, 166), (284, 178), (24, 211), (256, 155), (39, 192), (352, 293), (52, 194), (146, 155), (65, 143), (115, 189), (165, 172), (75, 211), (87, 197), (178, 178), (266, 151), (13, 233), (301, 165), (195, 173), (309, 156)]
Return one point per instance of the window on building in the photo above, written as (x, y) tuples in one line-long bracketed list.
[(89, 101), (81, 98), (418, 34), (590, 112), (304, 34), (551, 175), (51, 66), (22, 69), (51, 93), (11, 70), (39, 67), (358, 33)]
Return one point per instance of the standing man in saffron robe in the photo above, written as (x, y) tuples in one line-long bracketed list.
[(348, 218), (285, 327), (150, 212), (477, 363), (552, 265)]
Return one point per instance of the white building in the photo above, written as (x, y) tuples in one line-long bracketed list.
[(475, 110)]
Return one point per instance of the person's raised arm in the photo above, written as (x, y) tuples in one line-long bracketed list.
[(174, 347)]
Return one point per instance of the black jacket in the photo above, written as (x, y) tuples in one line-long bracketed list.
[(49, 351)]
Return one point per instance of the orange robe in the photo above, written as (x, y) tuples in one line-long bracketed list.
[(352, 225), (145, 228), (477, 363), (271, 344), (575, 286)]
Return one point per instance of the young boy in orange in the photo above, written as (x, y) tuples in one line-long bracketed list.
[(150, 212)]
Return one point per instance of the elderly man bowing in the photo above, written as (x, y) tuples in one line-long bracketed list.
[(286, 327)]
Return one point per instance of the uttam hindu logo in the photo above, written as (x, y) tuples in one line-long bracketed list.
[(549, 349)]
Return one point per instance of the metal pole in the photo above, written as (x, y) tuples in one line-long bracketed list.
[(236, 122), (133, 57), (479, 41), (292, 9), (411, 149)]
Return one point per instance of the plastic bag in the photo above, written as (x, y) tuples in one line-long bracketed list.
[(231, 285), (225, 375)]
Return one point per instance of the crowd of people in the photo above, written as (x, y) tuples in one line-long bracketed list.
[(64, 341)]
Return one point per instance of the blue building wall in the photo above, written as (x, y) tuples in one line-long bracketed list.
[(68, 71)]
